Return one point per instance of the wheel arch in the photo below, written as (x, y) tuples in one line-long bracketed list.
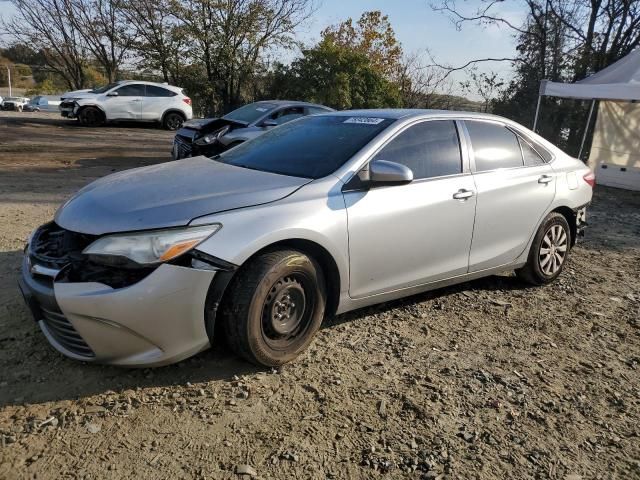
[(218, 289), (570, 216), (92, 105), (172, 110)]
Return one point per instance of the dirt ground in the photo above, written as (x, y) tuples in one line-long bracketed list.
[(489, 379)]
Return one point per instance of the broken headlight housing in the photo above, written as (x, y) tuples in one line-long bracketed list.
[(210, 138), (148, 248)]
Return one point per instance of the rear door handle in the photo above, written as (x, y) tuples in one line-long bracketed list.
[(463, 194), (545, 179)]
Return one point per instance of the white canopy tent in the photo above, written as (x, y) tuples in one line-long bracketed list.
[(618, 82)]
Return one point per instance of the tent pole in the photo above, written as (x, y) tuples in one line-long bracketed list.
[(535, 120), (586, 129)]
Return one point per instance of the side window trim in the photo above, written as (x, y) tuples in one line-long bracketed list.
[(464, 154), (525, 140), (535, 145), (144, 89)]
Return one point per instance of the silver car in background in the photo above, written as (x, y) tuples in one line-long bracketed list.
[(323, 215)]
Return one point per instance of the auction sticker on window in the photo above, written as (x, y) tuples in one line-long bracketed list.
[(364, 120)]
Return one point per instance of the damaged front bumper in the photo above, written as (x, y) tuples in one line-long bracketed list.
[(68, 109), (157, 320), (581, 220)]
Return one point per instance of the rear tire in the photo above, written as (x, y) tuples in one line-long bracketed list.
[(549, 251), (90, 117), (274, 308), (172, 121)]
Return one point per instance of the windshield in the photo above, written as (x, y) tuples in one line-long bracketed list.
[(250, 113), (106, 88), (310, 147)]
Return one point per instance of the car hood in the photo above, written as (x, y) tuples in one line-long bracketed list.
[(78, 94), (169, 195), (207, 125)]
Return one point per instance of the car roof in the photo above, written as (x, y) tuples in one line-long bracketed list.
[(283, 103), (144, 82), (406, 113)]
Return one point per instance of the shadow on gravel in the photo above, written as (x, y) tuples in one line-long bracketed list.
[(31, 119), (32, 372)]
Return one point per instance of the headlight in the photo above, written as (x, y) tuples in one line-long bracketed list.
[(151, 247)]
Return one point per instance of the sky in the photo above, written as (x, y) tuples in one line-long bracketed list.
[(418, 28)]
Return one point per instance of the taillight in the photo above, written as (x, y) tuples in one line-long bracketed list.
[(590, 178), (187, 100)]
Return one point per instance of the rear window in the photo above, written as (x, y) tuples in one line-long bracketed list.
[(494, 146), (250, 113), (310, 147), (153, 91)]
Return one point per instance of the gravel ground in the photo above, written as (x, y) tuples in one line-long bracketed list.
[(490, 379)]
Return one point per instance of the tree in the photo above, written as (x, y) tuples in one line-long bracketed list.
[(105, 31), (230, 37), (336, 76), (159, 40), (560, 40), (44, 24), (486, 85), (373, 36)]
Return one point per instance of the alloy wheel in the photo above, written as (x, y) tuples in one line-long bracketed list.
[(174, 122), (553, 250)]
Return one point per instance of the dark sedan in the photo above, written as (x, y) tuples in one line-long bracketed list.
[(211, 136)]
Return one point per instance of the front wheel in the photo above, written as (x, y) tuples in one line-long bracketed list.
[(90, 117), (549, 251), (275, 306), (172, 121)]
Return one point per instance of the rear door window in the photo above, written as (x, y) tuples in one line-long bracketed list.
[(429, 149), (133, 90), (494, 146), (154, 91)]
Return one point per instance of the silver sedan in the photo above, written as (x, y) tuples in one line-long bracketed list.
[(322, 215)]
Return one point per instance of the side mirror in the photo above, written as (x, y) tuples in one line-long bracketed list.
[(269, 122), (382, 172), (112, 94)]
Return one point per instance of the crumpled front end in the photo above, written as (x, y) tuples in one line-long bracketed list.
[(142, 317), (68, 108)]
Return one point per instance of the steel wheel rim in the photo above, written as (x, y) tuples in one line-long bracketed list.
[(286, 311), (553, 250)]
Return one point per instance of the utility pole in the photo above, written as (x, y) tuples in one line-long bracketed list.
[(9, 77)]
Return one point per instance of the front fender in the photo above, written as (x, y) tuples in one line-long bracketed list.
[(314, 213), (82, 103)]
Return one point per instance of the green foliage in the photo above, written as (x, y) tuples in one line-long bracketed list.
[(373, 36), (46, 87), (336, 76)]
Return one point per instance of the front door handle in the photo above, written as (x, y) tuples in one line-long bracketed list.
[(463, 194), (545, 179)]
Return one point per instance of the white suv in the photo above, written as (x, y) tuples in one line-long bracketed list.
[(129, 100)]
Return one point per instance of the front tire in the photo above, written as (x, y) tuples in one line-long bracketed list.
[(90, 117), (274, 308), (549, 251), (172, 121)]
